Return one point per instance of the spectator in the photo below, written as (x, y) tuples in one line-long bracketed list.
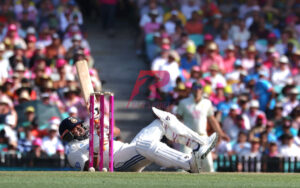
[(212, 57), (189, 8), (291, 103), (36, 155), (259, 127), (5, 66), (51, 144), (241, 145), (254, 112), (282, 73), (216, 77), (230, 126), (195, 25), (288, 148), (189, 60)]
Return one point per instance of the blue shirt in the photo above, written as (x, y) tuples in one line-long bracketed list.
[(262, 91), (224, 107), (187, 65)]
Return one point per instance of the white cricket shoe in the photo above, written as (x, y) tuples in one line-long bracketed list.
[(201, 153)]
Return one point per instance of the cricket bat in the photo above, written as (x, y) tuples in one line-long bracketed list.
[(85, 80)]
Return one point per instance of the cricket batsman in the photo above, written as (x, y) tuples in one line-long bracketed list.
[(144, 149)]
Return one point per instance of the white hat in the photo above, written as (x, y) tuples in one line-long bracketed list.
[(284, 59), (254, 104), (70, 77), (30, 30), (154, 12), (230, 47), (10, 120), (77, 37), (53, 127), (25, 95), (20, 67), (294, 91), (2, 47), (73, 110), (6, 100)]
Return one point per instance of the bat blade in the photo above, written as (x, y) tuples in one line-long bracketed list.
[(84, 79)]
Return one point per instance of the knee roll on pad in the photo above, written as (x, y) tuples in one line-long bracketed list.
[(162, 154)]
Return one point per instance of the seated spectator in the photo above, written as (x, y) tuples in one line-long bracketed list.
[(229, 124), (288, 148), (216, 77), (241, 144), (189, 8), (277, 115), (229, 58), (224, 42), (25, 144), (254, 112), (259, 127), (183, 44), (285, 128), (292, 102), (172, 68), (250, 154), (282, 73), (194, 25), (5, 66), (73, 112), (51, 143), (55, 49), (219, 96), (189, 60), (224, 106), (18, 57), (212, 57), (36, 155), (242, 34), (248, 62), (263, 90)]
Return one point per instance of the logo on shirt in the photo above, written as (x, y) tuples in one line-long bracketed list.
[(73, 120), (161, 78), (77, 165)]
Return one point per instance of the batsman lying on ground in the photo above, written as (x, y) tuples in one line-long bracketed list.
[(144, 149)]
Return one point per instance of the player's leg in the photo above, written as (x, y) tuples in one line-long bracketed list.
[(206, 163), (177, 132), (126, 159)]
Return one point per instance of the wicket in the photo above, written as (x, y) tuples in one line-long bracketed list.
[(101, 136)]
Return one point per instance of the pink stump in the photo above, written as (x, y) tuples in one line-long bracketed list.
[(91, 136), (111, 133), (101, 137)]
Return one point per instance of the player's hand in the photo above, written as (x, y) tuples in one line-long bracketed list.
[(224, 136)]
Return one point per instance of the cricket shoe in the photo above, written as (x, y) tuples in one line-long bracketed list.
[(205, 149), (201, 153)]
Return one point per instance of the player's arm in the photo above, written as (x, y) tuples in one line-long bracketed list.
[(216, 126)]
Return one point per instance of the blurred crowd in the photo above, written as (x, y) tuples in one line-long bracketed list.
[(40, 40), (245, 54)]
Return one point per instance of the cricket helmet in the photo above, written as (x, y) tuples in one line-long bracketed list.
[(66, 127)]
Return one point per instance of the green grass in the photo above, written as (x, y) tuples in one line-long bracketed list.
[(145, 179)]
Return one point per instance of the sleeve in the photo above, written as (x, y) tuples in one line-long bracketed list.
[(78, 158)]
